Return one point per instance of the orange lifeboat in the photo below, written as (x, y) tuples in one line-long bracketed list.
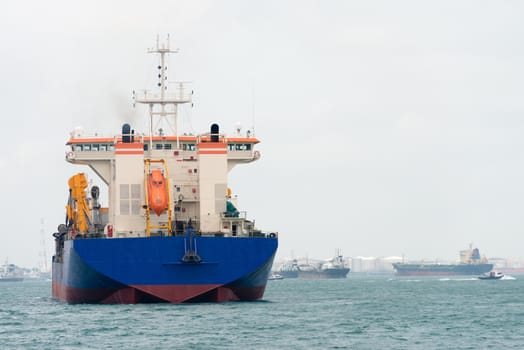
[(157, 192)]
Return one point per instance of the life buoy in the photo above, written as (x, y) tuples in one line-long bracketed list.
[(69, 155), (109, 230), (272, 235)]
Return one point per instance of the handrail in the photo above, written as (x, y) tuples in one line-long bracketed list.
[(119, 137), (206, 138), (241, 215)]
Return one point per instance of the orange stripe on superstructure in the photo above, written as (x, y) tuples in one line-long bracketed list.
[(129, 146), (211, 145), (218, 151), (129, 152)]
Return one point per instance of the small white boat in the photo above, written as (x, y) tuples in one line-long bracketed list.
[(275, 276), (493, 275)]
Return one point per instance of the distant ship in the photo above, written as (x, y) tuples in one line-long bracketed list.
[(289, 269), (333, 268), (470, 264), (10, 273)]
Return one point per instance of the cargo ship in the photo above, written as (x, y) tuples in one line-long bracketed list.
[(470, 263), (171, 231)]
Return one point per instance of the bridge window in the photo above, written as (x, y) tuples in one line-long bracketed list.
[(96, 147), (103, 147), (158, 146), (248, 146), (188, 146), (78, 148), (167, 146)]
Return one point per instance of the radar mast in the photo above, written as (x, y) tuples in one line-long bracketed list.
[(163, 104)]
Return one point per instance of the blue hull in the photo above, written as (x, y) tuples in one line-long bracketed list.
[(133, 270)]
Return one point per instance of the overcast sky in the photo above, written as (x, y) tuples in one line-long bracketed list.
[(387, 127)]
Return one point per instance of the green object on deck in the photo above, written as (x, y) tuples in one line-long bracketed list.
[(231, 210)]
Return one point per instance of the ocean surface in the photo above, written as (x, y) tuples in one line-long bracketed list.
[(360, 312)]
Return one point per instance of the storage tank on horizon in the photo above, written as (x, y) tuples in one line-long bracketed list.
[(370, 264)]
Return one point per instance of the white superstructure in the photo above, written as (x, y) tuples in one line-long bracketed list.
[(195, 170)]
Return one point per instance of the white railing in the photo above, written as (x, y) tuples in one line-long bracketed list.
[(242, 215)]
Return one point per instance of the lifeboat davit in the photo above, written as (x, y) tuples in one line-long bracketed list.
[(157, 192)]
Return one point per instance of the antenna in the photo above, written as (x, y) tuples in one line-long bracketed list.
[(253, 107), (164, 104), (43, 253)]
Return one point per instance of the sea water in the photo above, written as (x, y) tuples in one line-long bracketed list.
[(360, 312)]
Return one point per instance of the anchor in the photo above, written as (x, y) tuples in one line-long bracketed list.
[(190, 256)]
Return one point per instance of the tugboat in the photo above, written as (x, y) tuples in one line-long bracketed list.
[(171, 231)]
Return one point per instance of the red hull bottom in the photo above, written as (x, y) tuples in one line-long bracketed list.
[(158, 294)]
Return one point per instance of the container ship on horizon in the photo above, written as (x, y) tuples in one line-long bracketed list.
[(171, 231), (470, 264)]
